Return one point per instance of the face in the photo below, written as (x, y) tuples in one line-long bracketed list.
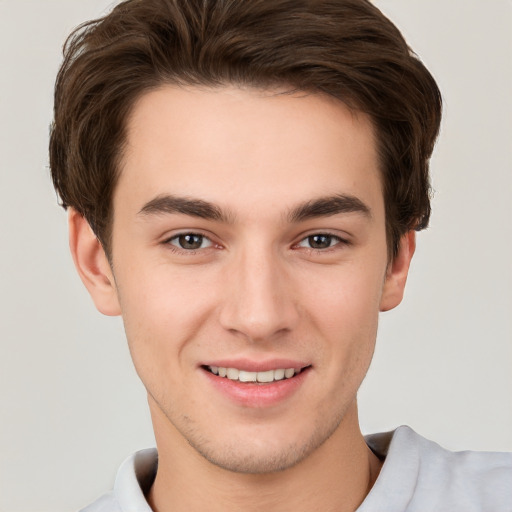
[(249, 262)]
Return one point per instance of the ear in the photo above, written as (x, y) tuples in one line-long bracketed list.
[(396, 274), (92, 265)]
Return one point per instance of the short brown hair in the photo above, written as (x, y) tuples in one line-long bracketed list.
[(344, 48)]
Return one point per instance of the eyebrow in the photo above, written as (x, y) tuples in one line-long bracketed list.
[(327, 206), (320, 207), (169, 204)]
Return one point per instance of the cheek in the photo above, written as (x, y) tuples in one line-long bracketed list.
[(163, 309), (345, 312), (347, 298), (158, 294)]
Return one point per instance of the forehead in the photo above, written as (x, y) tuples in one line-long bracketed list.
[(246, 146)]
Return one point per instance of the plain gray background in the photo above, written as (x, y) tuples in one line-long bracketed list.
[(71, 406)]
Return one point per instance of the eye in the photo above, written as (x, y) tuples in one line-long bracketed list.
[(320, 241), (190, 241)]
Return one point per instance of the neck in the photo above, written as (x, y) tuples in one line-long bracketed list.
[(337, 476)]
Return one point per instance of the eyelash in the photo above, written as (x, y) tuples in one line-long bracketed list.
[(176, 237), (338, 241)]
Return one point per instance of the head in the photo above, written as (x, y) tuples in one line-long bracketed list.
[(344, 49), (252, 173)]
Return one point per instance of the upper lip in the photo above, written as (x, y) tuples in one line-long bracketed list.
[(250, 365)]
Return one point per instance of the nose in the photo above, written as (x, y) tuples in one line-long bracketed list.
[(259, 302)]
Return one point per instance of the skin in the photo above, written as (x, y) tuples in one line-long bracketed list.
[(254, 288)]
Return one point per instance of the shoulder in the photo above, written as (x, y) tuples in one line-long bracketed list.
[(106, 503), (421, 475), (133, 481)]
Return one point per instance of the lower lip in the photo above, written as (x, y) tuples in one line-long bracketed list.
[(250, 394)]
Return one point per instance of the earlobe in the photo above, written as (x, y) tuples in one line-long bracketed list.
[(92, 264), (396, 275)]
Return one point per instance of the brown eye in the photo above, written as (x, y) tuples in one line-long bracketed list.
[(320, 241), (190, 241)]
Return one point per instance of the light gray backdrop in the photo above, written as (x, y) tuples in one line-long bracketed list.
[(71, 406)]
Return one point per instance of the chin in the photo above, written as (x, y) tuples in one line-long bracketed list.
[(247, 461), (264, 453)]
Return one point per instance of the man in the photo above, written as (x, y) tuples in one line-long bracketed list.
[(244, 182)]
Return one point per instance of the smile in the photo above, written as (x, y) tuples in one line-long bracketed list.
[(260, 377)]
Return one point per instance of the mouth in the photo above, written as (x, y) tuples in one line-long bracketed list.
[(261, 377), (257, 385)]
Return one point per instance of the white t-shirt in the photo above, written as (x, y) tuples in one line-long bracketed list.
[(417, 476)]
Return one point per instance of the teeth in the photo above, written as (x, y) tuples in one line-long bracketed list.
[(279, 374), (247, 376), (265, 376), (262, 377), (289, 372), (233, 373)]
